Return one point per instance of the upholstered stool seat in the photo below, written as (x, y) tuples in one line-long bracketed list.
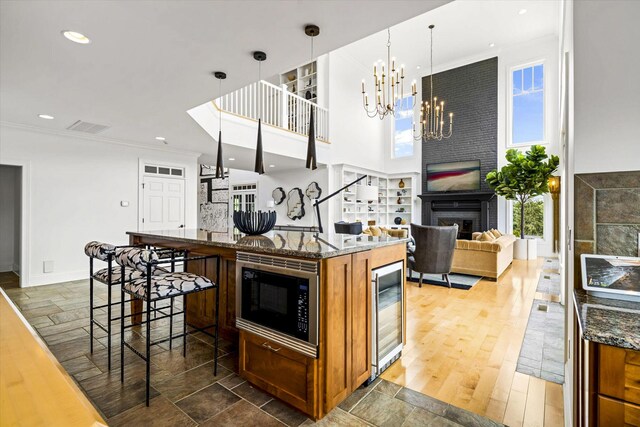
[(167, 285), (116, 272)]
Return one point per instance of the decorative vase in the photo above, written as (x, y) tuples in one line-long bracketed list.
[(399, 200), (403, 221), (397, 220), (401, 183), (307, 95)]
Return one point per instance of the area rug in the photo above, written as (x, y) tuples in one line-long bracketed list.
[(458, 281)]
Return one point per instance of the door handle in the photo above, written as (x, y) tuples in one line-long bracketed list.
[(181, 226), (266, 345)]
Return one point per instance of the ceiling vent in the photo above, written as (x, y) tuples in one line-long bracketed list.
[(87, 127)]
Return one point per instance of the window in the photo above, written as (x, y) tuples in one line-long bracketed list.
[(527, 105), (403, 131), (533, 218)]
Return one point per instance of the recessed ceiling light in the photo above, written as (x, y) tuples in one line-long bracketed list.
[(232, 159), (272, 166), (522, 11), (418, 67), (492, 44), (76, 37), (46, 116), (161, 138)]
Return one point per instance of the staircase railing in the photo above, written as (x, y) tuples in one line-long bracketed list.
[(278, 107)]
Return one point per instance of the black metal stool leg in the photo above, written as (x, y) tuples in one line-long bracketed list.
[(109, 324), (148, 353), (217, 317), (170, 323), (121, 335), (184, 326), (91, 309)]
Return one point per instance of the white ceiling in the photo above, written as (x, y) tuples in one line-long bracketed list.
[(151, 61), (463, 29)]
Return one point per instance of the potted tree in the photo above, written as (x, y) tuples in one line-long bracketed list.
[(523, 178)]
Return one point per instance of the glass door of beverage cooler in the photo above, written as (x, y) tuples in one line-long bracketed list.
[(387, 313)]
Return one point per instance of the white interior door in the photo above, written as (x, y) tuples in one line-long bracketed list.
[(163, 203)]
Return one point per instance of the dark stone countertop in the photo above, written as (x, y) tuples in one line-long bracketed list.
[(291, 243), (608, 321)]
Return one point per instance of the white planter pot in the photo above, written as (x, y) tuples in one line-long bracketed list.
[(520, 249), (532, 248)]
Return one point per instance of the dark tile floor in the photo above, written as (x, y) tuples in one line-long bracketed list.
[(184, 391), (9, 279)]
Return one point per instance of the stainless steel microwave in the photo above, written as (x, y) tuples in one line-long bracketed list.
[(277, 298)]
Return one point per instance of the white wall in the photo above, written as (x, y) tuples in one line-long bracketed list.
[(607, 90), (75, 188), (17, 221), (9, 211), (356, 139)]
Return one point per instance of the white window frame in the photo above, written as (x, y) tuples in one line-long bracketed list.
[(546, 202), (393, 132), (545, 119)]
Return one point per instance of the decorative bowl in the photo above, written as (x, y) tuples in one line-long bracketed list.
[(254, 223)]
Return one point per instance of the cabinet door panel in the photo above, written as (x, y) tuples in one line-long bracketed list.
[(361, 319), (336, 311), (616, 413), (619, 373)]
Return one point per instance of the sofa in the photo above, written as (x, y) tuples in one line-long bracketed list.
[(392, 232), (488, 257)]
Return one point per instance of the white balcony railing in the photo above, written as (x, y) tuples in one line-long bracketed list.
[(279, 108)]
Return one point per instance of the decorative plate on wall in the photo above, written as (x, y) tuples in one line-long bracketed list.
[(278, 195), (313, 191), (295, 204)]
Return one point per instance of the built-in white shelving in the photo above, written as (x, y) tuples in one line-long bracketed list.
[(394, 201), (303, 81)]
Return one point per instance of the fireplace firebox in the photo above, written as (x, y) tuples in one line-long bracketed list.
[(469, 210)]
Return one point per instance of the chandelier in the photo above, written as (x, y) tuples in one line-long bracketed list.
[(387, 87), (431, 113)]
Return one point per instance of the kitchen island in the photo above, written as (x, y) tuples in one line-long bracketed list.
[(315, 383), (607, 370)]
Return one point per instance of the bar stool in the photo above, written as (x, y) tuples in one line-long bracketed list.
[(110, 276), (158, 286)]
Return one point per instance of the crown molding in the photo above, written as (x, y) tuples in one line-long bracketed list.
[(114, 141)]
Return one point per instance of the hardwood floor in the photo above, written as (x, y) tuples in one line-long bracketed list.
[(463, 346)]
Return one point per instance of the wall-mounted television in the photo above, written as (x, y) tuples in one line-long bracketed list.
[(455, 176)]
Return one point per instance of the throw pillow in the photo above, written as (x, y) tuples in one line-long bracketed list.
[(495, 233), (486, 237), (375, 231)]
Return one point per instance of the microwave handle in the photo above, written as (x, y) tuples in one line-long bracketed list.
[(376, 310)]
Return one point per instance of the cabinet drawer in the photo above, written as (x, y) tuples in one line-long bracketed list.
[(282, 372), (619, 373), (616, 413)]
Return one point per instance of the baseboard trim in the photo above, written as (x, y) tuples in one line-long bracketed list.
[(51, 278)]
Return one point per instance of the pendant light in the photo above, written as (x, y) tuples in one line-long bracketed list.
[(311, 31), (431, 126), (219, 164), (259, 167)]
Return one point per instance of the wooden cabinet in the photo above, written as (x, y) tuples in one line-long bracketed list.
[(284, 373), (619, 373), (613, 412), (609, 384)]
